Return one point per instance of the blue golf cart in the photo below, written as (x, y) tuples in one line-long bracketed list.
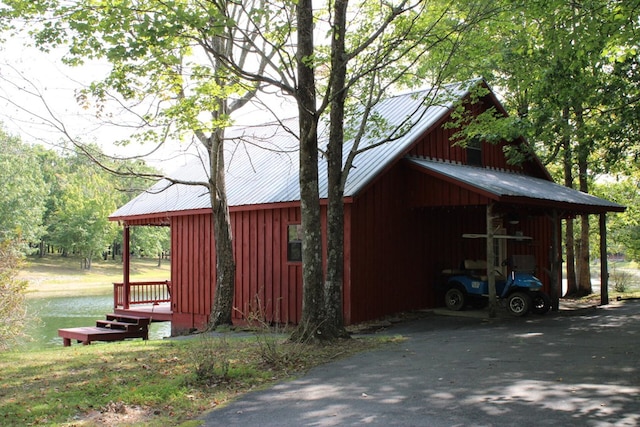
[(521, 292)]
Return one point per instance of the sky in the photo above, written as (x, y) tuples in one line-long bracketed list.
[(38, 98)]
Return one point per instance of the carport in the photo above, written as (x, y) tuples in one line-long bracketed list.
[(510, 196)]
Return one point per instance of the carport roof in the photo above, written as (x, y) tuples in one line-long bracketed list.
[(510, 187)]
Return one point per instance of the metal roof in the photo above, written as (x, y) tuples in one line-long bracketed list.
[(262, 162), (503, 186)]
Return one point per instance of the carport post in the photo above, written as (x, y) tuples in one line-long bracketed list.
[(490, 269), (554, 272), (604, 267)]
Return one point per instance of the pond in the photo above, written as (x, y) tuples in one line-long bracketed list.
[(70, 312)]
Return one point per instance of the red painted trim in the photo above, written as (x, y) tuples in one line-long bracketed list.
[(126, 265)]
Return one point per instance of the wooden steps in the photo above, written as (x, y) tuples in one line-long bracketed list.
[(116, 327)]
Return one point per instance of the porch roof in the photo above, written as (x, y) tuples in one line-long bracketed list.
[(515, 188)]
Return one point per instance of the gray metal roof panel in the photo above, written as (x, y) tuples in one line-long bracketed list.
[(510, 184), (262, 163)]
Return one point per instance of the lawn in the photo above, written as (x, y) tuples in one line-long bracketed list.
[(143, 383), (57, 276), (152, 383)]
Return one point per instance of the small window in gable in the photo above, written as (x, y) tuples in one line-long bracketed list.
[(474, 152), (294, 243)]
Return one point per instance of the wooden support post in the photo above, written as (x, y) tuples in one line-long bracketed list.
[(604, 267), (555, 258), (126, 266), (493, 300)]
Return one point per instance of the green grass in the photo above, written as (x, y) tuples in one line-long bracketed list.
[(138, 383), (153, 383), (55, 275), (141, 383)]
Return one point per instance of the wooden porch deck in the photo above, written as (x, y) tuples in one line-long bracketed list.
[(157, 313), (135, 307), (144, 299)]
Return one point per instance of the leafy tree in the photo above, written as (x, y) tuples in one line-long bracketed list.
[(151, 241), (13, 310), (411, 43), (565, 71), (52, 166), (166, 68), (22, 193), (624, 227), (80, 222)]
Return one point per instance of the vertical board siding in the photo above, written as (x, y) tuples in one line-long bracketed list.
[(384, 266), (407, 227), (540, 228), (440, 143), (269, 285), (192, 272), (265, 280)]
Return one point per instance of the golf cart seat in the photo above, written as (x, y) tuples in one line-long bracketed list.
[(476, 268)]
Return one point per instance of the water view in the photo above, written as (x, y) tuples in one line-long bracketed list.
[(70, 312)]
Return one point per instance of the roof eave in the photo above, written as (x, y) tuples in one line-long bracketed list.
[(565, 207)]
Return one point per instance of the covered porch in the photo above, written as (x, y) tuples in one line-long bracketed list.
[(144, 299), (150, 299)]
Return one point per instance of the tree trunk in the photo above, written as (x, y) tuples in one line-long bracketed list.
[(584, 270), (572, 284), (584, 266), (312, 287), (222, 309), (334, 283)]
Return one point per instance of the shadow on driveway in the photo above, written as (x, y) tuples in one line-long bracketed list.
[(578, 367)]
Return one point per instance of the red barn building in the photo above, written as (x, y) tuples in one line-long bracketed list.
[(408, 204)]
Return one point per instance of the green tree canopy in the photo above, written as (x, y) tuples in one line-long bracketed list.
[(23, 191), (80, 222)]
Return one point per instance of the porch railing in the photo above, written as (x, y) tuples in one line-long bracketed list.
[(154, 292)]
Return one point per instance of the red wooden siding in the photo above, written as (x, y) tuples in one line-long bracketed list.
[(407, 227), (192, 274), (400, 249), (539, 227), (385, 266), (429, 191), (440, 144), (265, 280)]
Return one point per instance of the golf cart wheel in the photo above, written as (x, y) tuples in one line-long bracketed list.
[(518, 303), (454, 299), (540, 303)]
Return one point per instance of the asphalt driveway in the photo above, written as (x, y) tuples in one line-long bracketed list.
[(570, 368)]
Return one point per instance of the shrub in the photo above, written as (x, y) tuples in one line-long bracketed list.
[(275, 347), (211, 359), (13, 309), (621, 280)]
